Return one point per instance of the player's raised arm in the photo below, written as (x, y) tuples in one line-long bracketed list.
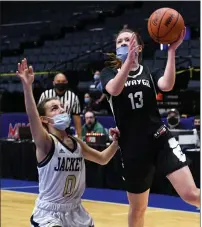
[(41, 138), (167, 81), (115, 86)]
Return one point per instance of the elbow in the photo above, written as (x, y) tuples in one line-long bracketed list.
[(113, 92), (167, 88), (103, 161)]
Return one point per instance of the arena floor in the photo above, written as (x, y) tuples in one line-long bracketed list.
[(107, 207)]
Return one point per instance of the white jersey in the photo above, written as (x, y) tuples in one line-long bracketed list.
[(62, 174)]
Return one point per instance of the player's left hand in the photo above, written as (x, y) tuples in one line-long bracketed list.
[(25, 73), (114, 133), (176, 44)]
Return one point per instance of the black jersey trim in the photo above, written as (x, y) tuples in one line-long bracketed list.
[(48, 157), (68, 148), (35, 224), (136, 73)]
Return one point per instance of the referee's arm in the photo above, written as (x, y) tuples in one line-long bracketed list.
[(76, 111)]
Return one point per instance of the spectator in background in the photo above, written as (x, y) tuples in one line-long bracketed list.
[(88, 103), (68, 98), (197, 123), (173, 119), (97, 82), (96, 92), (96, 87), (92, 105), (92, 125)]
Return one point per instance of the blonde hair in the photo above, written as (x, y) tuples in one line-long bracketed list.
[(113, 61)]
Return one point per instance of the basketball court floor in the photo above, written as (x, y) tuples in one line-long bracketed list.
[(108, 207)]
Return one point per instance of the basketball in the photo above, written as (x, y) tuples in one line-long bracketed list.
[(165, 25)]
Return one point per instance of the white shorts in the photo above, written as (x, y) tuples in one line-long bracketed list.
[(47, 214)]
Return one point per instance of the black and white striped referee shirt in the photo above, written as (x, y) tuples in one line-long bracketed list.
[(69, 100)]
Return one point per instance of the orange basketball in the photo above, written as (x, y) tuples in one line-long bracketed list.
[(165, 25)]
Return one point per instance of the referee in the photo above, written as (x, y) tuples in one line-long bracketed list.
[(68, 98)]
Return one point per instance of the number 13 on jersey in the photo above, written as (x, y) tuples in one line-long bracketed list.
[(136, 99)]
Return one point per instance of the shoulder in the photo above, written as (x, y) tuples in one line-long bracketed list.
[(45, 91), (146, 68), (70, 92), (99, 125), (156, 73), (48, 91)]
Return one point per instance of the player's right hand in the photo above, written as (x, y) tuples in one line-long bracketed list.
[(132, 50), (25, 73)]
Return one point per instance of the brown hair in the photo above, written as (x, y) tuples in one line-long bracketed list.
[(41, 106), (41, 109), (113, 60)]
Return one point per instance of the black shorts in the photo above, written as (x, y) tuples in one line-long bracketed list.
[(144, 155)]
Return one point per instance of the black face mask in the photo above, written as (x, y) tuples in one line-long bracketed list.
[(61, 86), (173, 121)]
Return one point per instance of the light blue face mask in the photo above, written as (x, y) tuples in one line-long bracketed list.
[(86, 100), (96, 77), (61, 121), (122, 53)]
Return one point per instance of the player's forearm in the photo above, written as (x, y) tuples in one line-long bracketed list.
[(31, 109), (116, 85), (77, 123), (108, 153), (167, 81)]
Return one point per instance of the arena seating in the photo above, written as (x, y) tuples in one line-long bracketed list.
[(74, 37)]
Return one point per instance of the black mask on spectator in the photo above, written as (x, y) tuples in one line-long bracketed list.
[(173, 118), (173, 121), (61, 86)]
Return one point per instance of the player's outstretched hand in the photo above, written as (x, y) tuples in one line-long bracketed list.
[(25, 73), (133, 50)]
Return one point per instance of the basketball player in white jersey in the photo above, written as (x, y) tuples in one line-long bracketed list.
[(60, 160)]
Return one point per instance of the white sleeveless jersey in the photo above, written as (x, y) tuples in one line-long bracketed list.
[(62, 174)]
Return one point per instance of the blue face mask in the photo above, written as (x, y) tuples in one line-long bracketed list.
[(122, 53), (86, 100), (96, 77), (61, 121)]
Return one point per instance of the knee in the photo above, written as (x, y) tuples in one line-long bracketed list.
[(137, 212), (191, 196)]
